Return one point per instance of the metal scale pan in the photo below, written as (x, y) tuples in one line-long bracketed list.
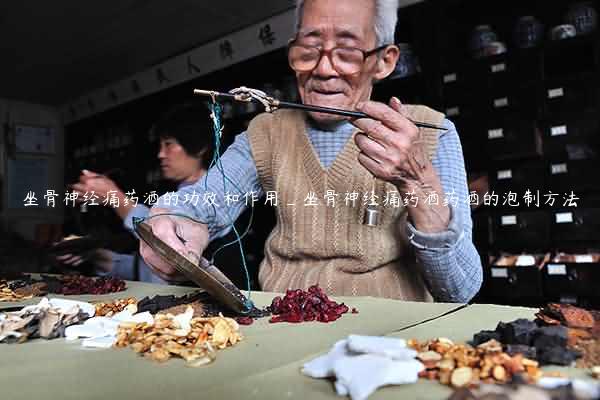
[(205, 275)]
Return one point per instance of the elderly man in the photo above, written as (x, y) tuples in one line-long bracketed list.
[(418, 251)]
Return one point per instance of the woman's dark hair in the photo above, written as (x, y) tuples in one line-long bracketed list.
[(189, 124)]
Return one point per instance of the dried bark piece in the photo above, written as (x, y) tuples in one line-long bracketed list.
[(33, 290), (576, 317)]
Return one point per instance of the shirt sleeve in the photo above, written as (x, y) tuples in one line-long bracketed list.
[(451, 264), (220, 196)]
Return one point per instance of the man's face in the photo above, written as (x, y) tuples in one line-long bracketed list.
[(175, 163), (329, 24)]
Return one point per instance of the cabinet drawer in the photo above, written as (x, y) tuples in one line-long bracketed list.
[(512, 138), (521, 231)]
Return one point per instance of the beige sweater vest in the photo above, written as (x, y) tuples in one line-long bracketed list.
[(329, 245)]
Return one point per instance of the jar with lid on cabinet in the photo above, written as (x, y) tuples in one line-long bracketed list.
[(583, 17)]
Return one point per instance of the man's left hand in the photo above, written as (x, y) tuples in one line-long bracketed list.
[(392, 151)]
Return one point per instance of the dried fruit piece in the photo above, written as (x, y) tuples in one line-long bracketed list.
[(166, 338), (499, 373), (491, 346), (515, 364), (429, 358), (245, 320), (486, 363), (116, 306), (446, 364), (311, 305), (461, 377), (444, 377)]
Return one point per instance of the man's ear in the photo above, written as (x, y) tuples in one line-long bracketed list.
[(386, 62)]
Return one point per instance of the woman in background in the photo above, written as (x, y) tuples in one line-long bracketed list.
[(186, 150)]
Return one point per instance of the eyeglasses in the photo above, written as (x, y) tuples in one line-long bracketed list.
[(345, 60)]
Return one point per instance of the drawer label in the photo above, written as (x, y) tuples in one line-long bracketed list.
[(448, 78), (568, 299), (556, 92), (559, 168), (557, 269), (564, 218), (584, 258), (504, 174), (499, 273), (498, 67), (509, 220), (502, 102), (495, 133), (558, 130)]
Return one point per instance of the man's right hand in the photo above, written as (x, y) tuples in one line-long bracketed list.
[(188, 238)]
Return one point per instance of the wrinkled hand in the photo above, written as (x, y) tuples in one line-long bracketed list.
[(101, 185), (389, 144), (392, 151), (185, 236), (101, 259)]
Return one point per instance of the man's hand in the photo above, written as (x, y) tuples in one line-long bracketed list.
[(101, 259), (392, 151), (186, 237)]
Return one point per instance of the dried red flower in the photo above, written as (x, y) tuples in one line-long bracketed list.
[(311, 305)]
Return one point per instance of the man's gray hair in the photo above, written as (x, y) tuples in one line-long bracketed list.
[(386, 17)]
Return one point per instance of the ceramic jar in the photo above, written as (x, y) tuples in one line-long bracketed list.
[(528, 32), (583, 17)]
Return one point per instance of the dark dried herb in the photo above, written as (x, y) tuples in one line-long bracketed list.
[(210, 306), (548, 344), (519, 331), (158, 303), (485, 336), (527, 351)]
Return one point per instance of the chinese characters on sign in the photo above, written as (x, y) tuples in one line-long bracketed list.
[(266, 35), (226, 50)]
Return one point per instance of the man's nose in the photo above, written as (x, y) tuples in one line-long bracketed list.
[(324, 68)]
